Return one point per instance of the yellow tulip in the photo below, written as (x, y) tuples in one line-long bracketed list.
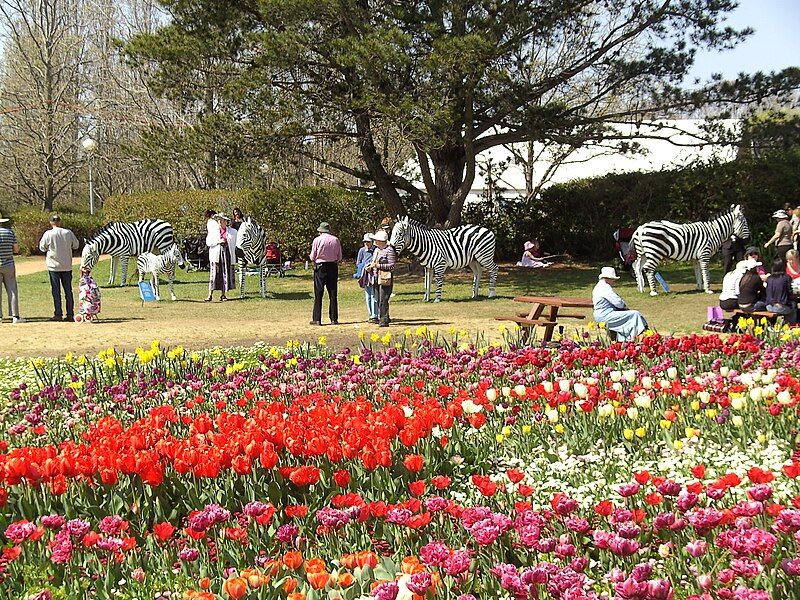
[(526, 429), (640, 432), (559, 428), (628, 434), (499, 438)]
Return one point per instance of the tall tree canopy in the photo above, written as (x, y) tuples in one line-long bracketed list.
[(450, 78)]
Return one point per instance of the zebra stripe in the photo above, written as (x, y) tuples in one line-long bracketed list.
[(160, 264), (657, 240), (251, 239), (123, 240), (440, 249)]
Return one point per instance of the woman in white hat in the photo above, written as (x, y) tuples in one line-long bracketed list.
[(221, 242), (783, 235), (610, 309), (366, 278)]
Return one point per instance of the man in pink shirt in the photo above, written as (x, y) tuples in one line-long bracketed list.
[(326, 253)]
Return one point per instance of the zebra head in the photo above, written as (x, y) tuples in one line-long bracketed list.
[(174, 255), (251, 239), (89, 255), (740, 228), (401, 234)]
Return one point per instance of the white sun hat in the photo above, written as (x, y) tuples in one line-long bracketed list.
[(608, 273)]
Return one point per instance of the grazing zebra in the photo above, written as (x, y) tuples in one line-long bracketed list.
[(251, 239), (123, 240), (657, 240), (440, 249), (158, 264)]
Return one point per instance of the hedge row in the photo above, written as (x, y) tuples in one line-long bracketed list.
[(580, 217), (290, 216), (29, 225)]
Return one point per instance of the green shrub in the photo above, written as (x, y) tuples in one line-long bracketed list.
[(29, 224), (291, 216)]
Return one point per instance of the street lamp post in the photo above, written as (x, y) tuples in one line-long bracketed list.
[(90, 145)]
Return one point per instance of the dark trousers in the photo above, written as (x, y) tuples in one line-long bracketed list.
[(732, 253), (781, 252), (326, 277), (384, 293), (730, 304), (64, 280)]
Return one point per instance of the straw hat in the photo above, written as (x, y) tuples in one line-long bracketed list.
[(608, 273)]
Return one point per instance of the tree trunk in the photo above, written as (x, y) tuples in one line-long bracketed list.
[(448, 169), (372, 160)]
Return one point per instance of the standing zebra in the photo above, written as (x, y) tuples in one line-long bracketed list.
[(251, 239), (657, 240), (159, 264), (123, 240), (440, 249)]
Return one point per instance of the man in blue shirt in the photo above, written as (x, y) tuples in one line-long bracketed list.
[(8, 272)]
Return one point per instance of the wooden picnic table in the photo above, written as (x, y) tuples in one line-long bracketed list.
[(552, 304)]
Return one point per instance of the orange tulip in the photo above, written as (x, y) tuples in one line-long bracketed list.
[(314, 565), (204, 583), (235, 587), (290, 585), (345, 579), (318, 580), (296, 596), (367, 558), (293, 559), (409, 565), (348, 561), (272, 567)]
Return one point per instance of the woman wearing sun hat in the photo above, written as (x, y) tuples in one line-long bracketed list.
[(610, 309), (783, 234), (8, 272)]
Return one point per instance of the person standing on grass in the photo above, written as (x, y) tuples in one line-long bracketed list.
[(8, 272), (782, 236), (326, 254), (366, 278), (58, 244), (383, 263)]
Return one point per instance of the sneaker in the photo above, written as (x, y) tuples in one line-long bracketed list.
[(373, 320), (69, 318), (17, 320), (315, 323)]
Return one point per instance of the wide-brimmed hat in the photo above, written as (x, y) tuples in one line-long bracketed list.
[(528, 245), (752, 250), (780, 214), (222, 217), (380, 236), (367, 237), (3, 219), (324, 227), (608, 273), (750, 264)]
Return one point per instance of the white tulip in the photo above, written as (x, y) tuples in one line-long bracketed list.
[(491, 394), (755, 394), (746, 379), (784, 397), (506, 391), (616, 386), (605, 410), (724, 371), (520, 391), (564, 385), (552, 415), (470, 408), (548, 386), (632, 412), (647, 382), (672, 372), (408, 412), (615, 376), (737, 420), (629, 375), (642, 401), (581, 391), (703, 396), (738, 403)]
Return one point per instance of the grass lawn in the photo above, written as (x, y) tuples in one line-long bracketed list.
[(285, 314)]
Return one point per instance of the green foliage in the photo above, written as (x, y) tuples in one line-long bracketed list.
[(290, 216), (580, 217), (29, 224)]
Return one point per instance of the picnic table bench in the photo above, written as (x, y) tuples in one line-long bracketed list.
[(535, 317)]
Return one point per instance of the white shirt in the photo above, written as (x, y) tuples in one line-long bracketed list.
[(214, 243), (730, 285)]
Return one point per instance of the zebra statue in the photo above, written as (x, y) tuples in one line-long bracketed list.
[(657, 240), (440, 249), (159, 264), (251, 239), (123, 240)]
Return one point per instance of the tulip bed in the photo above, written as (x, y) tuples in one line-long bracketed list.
[(409, 468)]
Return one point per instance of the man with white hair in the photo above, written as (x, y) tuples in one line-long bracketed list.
[(610, 309)]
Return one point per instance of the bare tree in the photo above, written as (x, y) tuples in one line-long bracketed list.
[(42, 96)]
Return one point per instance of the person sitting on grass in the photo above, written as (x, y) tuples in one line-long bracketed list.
[(729, 298), (751, 288), (779, 292), (610, 309)]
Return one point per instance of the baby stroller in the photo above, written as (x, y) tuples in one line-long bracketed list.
[(274, 264), (195, 252), (625, 249), (88, 298)]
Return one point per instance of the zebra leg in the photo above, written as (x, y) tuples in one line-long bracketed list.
[(698, 277), (492, 268), (428, 277), (154, 283), (125, 260), (703, 264), (438, 275), (172, 283), (476, 278), (263, 274), (242, 277), (649, 269), (112, 271)]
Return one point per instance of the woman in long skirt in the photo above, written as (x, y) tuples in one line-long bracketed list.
[(221, 247)]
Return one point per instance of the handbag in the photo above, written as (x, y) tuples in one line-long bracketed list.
[(714, 313), (384, 277)]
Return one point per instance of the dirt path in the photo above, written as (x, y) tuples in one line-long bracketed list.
[(29, 265)]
